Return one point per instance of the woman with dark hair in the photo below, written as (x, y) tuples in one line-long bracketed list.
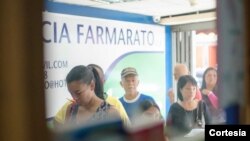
[(87, 105), (209, 95), (110, 99), (151, 110), (187, 113)]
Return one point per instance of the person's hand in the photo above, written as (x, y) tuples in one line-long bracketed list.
[(198, 95), (166, 138), (206, 92), (171, 96)]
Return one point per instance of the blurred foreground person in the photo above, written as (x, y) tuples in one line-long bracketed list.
[(150, 110)]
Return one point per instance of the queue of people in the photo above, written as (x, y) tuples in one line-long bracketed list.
[(193, 108)]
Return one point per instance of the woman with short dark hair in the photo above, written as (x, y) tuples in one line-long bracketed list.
[(187, 113)]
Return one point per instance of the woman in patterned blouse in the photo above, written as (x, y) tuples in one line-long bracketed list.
[(87, 105)]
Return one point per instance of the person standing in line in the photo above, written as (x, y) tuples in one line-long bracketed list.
[(187, 113), (110, 99), (150, 110), (87, 106), (209, 95), (180, 70), (132, 97)]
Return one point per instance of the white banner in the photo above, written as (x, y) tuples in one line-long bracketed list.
[(71, 40)]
